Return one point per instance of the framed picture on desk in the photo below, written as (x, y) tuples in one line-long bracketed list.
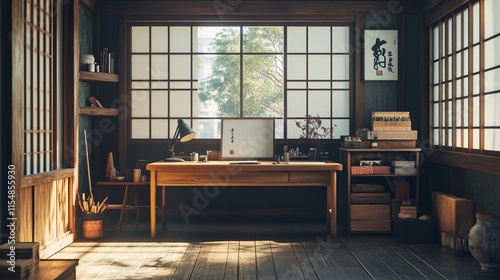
[(247, 138)]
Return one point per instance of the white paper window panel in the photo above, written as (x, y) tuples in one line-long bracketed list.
[(466, 111), (435, 137), (450, 36), (459, 138), (466, 138), (319, 39), (208, 128), (296, 85), (279, 130), (296, 39), (42, 164), (340, 66), (35, 113), (47, 162), (319, 103), (466, 62), (435, 43), (28, 165), (48, 143), (435, 72), (450, 90), (475, 84), (492, 52), (450, 68), (450, 114), (180, 104), (458, 31), (296, 67), (450, 137), (443, 71), (180, 67), (340, 39), (27, 148), (475, 23), (180, 85), (194, 67), (140, 67), (35, 164), (195, 101), (341, 129), (459, 65), (443, 37), (159, 67), (475, 139), (492, 139), (159, 129), (435, 114), (319, 67), (159, 85), (475, 111), (159, 104), (491, 18), (140, 103), (340, 85), (475, 59), (491, 109), (140, 129), (180, 39), (159, 39), (466, 86), (320, 85), (435, 93), (492, 80), (195, 85), (466, 28), (296, 104), (140, 85), (458, 85), (340, 104), (459, 113), (293, 132), (42, 142), (47, 120), (140, 39), (28, 119), (35, 142)]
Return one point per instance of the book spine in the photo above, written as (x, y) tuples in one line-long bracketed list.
[(390, 114), (381, 135)]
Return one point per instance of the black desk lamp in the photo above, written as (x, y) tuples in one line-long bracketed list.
[(186, 133)]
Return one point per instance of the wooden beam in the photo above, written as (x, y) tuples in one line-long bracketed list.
[(488, 164), (271, 8), (47, 177), (440, 10), (18, 46), (122, 95), (359, 109)]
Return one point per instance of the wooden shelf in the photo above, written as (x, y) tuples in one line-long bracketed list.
[(381, 175), (101, 112), (98, 77)]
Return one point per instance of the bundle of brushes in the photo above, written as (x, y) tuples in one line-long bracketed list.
[(90, 206)]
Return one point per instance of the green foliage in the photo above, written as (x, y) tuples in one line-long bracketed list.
[(262, 73)]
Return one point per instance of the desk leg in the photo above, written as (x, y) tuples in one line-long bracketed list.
[(163, 203), (333, 203), (153, 202), (125, 196)]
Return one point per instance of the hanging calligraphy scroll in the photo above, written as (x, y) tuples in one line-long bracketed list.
[(381, 55)]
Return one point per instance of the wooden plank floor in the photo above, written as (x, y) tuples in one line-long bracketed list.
[(287, 251)]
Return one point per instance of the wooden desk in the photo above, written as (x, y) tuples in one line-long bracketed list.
[(223, 173)]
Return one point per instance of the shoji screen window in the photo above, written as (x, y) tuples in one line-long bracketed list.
[(465, 67), (39, 130)]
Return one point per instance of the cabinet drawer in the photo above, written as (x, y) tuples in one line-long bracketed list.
[(371, 211), (370, 198), (371, 225)]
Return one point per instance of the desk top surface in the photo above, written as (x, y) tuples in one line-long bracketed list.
[(234, 166)]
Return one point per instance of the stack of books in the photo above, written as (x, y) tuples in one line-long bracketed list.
[(392, 126)]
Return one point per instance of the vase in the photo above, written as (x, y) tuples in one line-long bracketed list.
[(484, 240)]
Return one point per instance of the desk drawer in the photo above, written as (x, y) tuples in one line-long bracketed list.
[(228, 178), (169, 177)]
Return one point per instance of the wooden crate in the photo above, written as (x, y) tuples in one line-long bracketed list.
[(370, 197), (357, 170), (452, 215), (371, 225), (370, 211)]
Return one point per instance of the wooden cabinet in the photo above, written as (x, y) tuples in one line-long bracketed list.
[(371, 211)]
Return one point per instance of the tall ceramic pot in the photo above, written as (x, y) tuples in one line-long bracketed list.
[(484, 240)]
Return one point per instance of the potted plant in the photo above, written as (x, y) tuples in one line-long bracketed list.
[(313, 130)]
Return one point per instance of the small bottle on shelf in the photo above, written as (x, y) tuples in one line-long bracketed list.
[(374, 143)]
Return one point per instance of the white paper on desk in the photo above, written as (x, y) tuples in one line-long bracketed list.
[(305, 162)]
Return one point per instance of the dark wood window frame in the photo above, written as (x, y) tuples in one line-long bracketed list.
[(469, 158), (350, 81)]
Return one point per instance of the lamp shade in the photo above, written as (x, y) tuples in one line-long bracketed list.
[(186, 133)]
